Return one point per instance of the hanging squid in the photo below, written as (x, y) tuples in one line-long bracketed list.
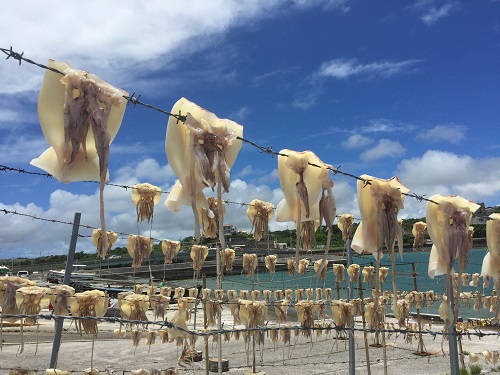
[(80, 115), (338, 271), (253, 314), (159, 304), (209, 217), (448, 226), (8, 287), (92, 303), (327, 212), (249, 264), (341, 312), (303, 264), (255, 295), (353, 272), (58, 298), (382, 274), (145, 197), (267, 295), (301, 184), (98, 241), (170, 250), (198, 254), (474, 280), (270, 262), (29, 301), (418, 232), (491, 261), (201, 150), (139, 248), (320, 267), (345, 223), (368, 274), (290, 264), (260, 213), (228, 256), (54, 371)]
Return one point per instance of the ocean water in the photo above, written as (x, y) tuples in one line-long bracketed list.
[(404, 280)]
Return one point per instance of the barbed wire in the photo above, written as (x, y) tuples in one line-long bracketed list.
[(134, 100)]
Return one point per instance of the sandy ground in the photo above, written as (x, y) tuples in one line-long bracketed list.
[(318, 354)]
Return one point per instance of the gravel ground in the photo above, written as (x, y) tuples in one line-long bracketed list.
[(318, 354)]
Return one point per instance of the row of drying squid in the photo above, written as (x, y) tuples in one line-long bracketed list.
[(80, 115), (93, 371), (22, 296)]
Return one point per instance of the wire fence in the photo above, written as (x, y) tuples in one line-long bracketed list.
[(317, 322)]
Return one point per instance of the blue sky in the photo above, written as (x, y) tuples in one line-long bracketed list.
[(381, 88)]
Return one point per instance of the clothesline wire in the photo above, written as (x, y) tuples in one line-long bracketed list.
[(268, 150)]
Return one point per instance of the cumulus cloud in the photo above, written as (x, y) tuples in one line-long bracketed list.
[(385, 148), (356, 141), (446, 173), (448, 133), (347, 68)]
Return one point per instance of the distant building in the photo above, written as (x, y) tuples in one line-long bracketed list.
[(229, 229)]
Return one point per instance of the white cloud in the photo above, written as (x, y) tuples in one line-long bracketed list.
[(346, 68), (356, 141), (449, 133), (138, 36), (383, 149), (446, 173), (433, 14), (305, 101)]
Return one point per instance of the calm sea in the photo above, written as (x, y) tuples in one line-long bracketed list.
[(281, 280)]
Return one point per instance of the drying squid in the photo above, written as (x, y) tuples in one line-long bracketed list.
[(474, 280), (219, 294), (379, 203), (327, 212), (270, 262), (309, 294), (92, 303), (159, 304), (290, 264), (145, 197), (136, 336), (299, 294), (228, 256), (170, 250), (303, 264), (151, 290), (320, 267), (328, 293), (447, 224), (342, 312), (319, 293), (260, 213), (91, 371), (382, 274), (8, 287), (491, 261), (179, 292), (139, 288), (134, 307), (465, 279), (277, 294), (201, 150), (80, 115), (193, 292), (255, 295), (288, 294), (97, 240), (345, 223), (253, 315), (368, 274), (29, 300), (301, 184), (231, 294), (198, 255), (58, 298), (209, 217), (139, 248), (267, 295), (418, 232), (402, 312), (20, 371), (353, 272), (338, 271), (281, 308), (249, 264), (244, 294), (305, 316)]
